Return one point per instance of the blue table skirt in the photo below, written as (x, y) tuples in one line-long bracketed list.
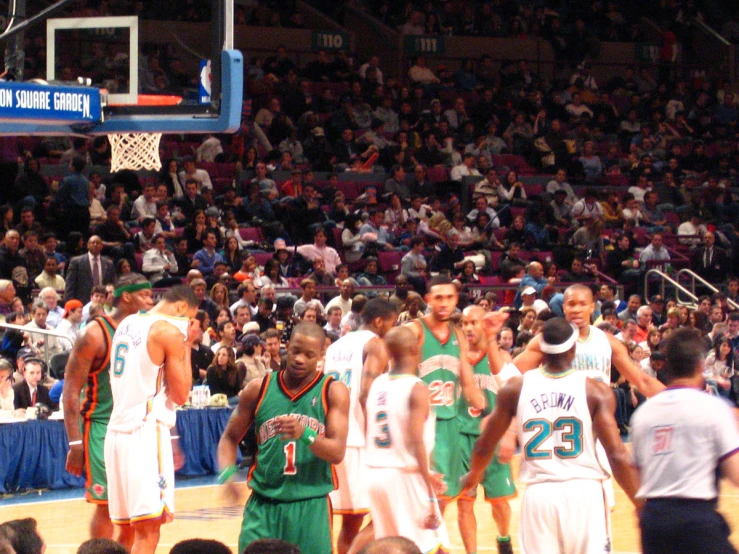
[(33, 454)]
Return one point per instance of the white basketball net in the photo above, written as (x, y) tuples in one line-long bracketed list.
[(135, 151)]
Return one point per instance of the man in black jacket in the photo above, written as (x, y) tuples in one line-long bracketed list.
[(710, 261), (31, 392), (13, 266)]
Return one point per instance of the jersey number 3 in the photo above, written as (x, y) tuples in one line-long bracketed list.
[(569, 446)]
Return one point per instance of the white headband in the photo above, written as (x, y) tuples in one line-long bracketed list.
[(563, 347)]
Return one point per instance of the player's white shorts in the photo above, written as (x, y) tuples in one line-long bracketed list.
[(351, 496), (399, 503), (566, 518), (140, 471)]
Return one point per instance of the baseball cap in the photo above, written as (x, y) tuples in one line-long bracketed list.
[(71, 306), (212, 212), (250, 341), (26, 352), (318, 132), (528, 290), (655, 298)]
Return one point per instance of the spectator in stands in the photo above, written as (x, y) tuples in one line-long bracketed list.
[(49, 277), (653, 215), (519, 135), (397, 185), (117, 241), (309, 296), (534, 278), (190, 172), (144, 239), (576, 109), (33, 254), (159, 264), (319, 249), (74, 198), (371, 277), (710, 261), (588, 207), (465, 169), (51, 300), (420, 73), (30, 184), (191, 202), (580, 272), (375, 233), (279, 64), (488, 188), (88, 270), (47, 343), (344, 300), (319, 275), (560, 183), (206, 258), (145, 205), (413, 265), (655, 251), (591, 163), (632, 307), (511, 189)]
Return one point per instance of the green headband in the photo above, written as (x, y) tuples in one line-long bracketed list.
[(133, 287)]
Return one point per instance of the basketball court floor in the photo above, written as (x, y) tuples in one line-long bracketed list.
[(202, 512)]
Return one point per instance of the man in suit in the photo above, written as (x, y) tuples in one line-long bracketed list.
[(710, 261), (31, 392), (88, 270)]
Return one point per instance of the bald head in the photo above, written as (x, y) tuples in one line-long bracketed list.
[(401, 343), (578, 288), (535, 269)]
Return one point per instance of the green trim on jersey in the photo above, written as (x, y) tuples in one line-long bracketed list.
[(96, 396), (439, 369), (289, 470), (469, 417)]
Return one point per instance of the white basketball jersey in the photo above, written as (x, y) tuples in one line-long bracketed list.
[(344, 362), (593, 356), (137, 383), (555, 428), (388, 411)]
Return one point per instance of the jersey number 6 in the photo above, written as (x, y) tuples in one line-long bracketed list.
[(119, 359)]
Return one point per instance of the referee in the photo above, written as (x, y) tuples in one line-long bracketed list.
[(683, 439)]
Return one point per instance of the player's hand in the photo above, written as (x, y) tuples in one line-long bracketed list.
[(289, 428), (437, 482), (193, 331), (75, 460), (231, 493), (431, 521), (506, 448), (492, 323), (468, 481)]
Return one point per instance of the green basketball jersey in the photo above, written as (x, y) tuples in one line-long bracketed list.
[(96, 396), (439, 368), (288, 470), (469, 417)]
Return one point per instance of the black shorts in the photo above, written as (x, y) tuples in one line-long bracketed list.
[(684, 526)]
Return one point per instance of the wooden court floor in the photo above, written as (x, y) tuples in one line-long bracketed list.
[(202, 512)]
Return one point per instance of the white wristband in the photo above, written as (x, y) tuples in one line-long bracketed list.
[(74, 443)]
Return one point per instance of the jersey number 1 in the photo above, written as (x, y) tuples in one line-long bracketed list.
[(290, 467)]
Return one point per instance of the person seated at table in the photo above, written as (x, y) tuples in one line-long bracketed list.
[(223, 377), (6, 385), (31, 392)]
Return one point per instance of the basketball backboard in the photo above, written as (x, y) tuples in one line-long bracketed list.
[(132, 59)]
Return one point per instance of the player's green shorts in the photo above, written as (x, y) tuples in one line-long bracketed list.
[(446, 458), (304, 523), (497, 481), (96, 483)]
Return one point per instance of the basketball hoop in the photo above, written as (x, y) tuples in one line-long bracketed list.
[(136, 151)]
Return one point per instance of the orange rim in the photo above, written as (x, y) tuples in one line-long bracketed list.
[(154, 100)]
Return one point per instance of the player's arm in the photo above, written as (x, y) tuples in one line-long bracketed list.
[(374, 364), (417, 416), (238, 424), (331, 446), (166, 342), (84, 352), (531, 357), (602, 406), (648, 386), (471, 392), (499, 422)]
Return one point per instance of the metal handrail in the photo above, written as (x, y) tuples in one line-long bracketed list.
[(35, 330), (678, 287), (694, 276)]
